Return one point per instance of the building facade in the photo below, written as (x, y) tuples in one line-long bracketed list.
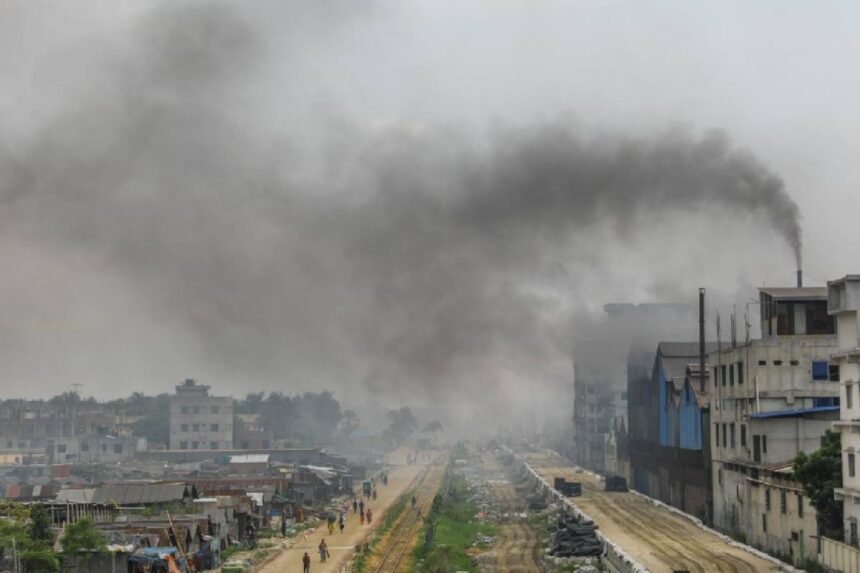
[(843, 298), (771, 399), (199, 421), (669, 446)]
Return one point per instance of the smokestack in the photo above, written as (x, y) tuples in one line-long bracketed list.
[(701, 340), (799, 278)]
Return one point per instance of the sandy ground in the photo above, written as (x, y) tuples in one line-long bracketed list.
[(517, 544), (655, 537), (342, 546)]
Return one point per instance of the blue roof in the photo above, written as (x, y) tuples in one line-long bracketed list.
[(793, 413)]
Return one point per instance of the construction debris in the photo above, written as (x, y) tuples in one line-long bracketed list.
[(573, 538)]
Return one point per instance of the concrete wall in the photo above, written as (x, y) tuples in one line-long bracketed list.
[(838, 556)]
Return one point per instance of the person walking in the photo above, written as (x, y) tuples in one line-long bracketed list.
[(361, 506), (354, 505), (306, 563), (361, 517), (323, 551), (369, 515), (342, 523)]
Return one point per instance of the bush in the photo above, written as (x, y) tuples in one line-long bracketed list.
[(83, 536), (40, 561)]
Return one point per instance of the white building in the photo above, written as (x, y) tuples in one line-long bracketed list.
[(199, 421), (843, 297), (771, 399)]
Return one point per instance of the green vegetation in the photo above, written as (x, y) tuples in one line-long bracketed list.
[(28, 531), (83, 537), (451, 529), (820, 472), (359, 562)]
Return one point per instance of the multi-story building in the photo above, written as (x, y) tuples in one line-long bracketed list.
[(843, 296), (199, 421), (771, 399), (94, 449)]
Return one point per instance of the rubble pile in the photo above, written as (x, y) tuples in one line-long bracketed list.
[(573, 538)]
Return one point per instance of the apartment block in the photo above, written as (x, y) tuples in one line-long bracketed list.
[(771, 399), (199, 421)]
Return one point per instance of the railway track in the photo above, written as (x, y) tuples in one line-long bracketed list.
[(398, 546)]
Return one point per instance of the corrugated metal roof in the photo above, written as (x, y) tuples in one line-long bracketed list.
[(140, 494), (79, 495), (793, 413), (250, 459)]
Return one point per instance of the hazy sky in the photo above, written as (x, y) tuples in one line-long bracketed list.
[(270, 195)]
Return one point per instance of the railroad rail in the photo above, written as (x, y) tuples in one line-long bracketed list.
[(400, 544)]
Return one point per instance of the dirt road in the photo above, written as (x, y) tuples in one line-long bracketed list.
[(393, 553), (517, 544), (658, 539), (342, 546)]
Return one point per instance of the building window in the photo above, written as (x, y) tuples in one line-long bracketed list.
[(183, 427), (853, 537), (723, 375), (732, 434), (61, 449), (183, 445), (85, 447), (117, 448), (213, 445), (764, 443), (194, 445), (213, 427), (196, 409), (743, 436), (185, 409), (716, 382), (799, 505), (731, 374), (820, 372), (762, 362), (849, 399), (740, 373), (195, 427), (717, 434), (216, 409), (782, 501), (850, 465), (833, 371), (767, 499), (764, 522), (725, 441)]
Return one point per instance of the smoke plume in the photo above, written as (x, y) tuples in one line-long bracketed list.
[(428, 261)]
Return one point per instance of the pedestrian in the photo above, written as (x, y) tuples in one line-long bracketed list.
[(284, 524), (369, 515), (413, 501), (354, 505), (361, 516), (323, 551), (306, 562), (374, 494), (361, 506), (342, 523)]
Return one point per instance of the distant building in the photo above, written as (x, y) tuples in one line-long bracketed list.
[(770, 400), (843, 297), (625, 340), (94, 449), (199, 421), (670, 456)]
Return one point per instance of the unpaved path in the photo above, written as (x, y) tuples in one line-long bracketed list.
[(393, 552), (658, 539), (342, 546)]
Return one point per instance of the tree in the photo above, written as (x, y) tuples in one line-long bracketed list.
[(349, 423), (401, 424), (40, 525), (433, 427), (820, 472), (82, 536)]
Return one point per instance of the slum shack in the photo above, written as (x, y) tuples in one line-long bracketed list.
[(157, 560)]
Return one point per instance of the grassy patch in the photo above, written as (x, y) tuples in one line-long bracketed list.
[(454, 531)]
